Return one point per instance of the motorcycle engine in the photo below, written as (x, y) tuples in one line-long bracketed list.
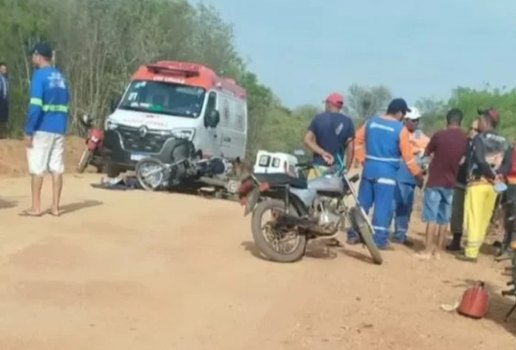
[(326, 212)]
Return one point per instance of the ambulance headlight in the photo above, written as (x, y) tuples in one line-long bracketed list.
[(187, 134), (110, 125)]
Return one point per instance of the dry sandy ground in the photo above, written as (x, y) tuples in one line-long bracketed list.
[(135, 270)]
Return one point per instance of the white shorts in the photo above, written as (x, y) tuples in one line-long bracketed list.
[(46, 154)]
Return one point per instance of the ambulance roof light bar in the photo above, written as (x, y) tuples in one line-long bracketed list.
[(175, 68)]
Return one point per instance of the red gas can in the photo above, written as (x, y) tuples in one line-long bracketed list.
[(475, 301)]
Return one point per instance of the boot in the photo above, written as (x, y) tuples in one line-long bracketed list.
[(454, 245)]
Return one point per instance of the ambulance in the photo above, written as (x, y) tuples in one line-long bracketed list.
[(167, 101)]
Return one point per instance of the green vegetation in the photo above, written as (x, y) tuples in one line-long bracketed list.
[(99, 43)]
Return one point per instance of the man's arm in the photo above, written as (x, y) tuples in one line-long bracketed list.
[(349, 145), (350, 153), (430, 147), (35, 110), (479, 157), (506, 166), (311, 142), (407, 153), (3, 87), (359, 142)]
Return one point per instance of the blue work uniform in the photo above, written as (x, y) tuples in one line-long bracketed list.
[(404, 199), (48, 108), (378, 184)]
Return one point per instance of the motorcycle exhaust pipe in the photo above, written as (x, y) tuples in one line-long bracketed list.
[(310, 225), (212, 182)]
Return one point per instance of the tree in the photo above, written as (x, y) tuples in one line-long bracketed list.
[(364, 102)]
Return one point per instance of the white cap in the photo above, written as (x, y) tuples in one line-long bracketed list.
[(413, 114)]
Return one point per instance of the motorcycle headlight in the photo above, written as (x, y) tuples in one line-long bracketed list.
[(187, 134), (110, 125)]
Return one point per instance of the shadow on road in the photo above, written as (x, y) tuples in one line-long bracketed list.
[(357, 255), (6, 204), (314, 250), (73, 207), (253, 249)]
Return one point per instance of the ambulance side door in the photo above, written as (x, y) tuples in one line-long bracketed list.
[(211, 142)]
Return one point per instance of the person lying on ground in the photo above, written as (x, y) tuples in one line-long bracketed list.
[(447, 148)]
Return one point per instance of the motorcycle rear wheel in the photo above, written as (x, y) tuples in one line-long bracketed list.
[(360, 225), (264, 245)]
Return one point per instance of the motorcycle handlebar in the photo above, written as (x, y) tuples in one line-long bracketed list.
[(306, 165)]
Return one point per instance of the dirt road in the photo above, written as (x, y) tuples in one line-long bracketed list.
[(135, 270)]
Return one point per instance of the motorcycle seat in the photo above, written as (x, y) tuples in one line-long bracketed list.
[(277, 180)]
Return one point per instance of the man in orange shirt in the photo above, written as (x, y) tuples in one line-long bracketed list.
[(381, 142), (406, 186)]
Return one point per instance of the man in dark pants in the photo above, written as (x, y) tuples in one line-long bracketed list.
[(4, 100), (457, 217), (509, 198)]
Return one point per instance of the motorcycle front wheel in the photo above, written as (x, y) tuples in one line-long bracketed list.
[(268, 238), (363, 228), (151, 173), (86, 158)]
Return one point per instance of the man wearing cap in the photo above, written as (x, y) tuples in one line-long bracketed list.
[(45, 127), (381, 142), (484, 171), (406, 184), (330, 136)]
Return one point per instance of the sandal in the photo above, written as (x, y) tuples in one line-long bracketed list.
[(28, 213)]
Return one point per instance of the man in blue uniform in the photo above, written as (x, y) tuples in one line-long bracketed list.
[(381, 142), (45, 127)]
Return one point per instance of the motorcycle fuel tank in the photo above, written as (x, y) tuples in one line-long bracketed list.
[(332, 184)]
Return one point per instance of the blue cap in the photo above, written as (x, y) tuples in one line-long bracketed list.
[(42, 49), (398, 105)]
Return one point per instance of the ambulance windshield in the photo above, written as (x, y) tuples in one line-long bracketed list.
[(164, 98)]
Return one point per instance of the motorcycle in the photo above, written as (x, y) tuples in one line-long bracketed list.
[(186, 166), (92, 154), (303, 210)]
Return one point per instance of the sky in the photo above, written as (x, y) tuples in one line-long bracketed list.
[(304, 49)]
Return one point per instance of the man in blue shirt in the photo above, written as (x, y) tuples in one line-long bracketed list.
[(4, 99), (331, 134), (45, 127)]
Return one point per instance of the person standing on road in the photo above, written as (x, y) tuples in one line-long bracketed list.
[(381, 142), (447, 148), (45, 127), (4, 100), (487, 153), (509, 199), (406, 184), (457, 215), (330, 136)]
